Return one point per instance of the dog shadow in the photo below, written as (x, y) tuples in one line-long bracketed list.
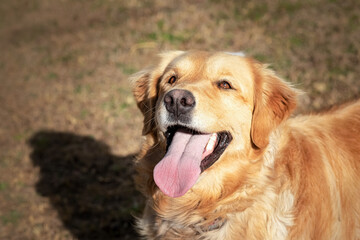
[(91, 189)]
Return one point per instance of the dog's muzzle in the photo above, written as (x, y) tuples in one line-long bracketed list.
[(179, 104)]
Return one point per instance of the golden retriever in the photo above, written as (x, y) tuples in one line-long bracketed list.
[(221, 159)]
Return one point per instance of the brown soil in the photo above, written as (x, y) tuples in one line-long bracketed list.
[(69, 126)]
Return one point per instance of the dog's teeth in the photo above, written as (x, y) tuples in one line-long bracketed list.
[(212, 141)]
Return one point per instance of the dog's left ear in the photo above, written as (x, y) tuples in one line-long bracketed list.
[(274, 101)]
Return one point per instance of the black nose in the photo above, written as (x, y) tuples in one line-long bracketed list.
[(179, 102)]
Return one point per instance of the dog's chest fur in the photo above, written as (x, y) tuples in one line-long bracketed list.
[(274, 217)]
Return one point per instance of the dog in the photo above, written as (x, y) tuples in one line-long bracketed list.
[(221, 158)]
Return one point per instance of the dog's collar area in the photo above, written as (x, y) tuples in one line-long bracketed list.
[(215, 225)]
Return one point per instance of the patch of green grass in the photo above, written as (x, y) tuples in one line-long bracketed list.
[(283, 63), (257, 12), (261, 57), (3, 162), (352, 49), (19, 156), (3, 186), (222, 16), (20, 184), (160, 24), (117, 48), (19, 137), (79, 75), (84, 113), (289, 7), (52, 76), (152, 36), (47, 60), (338, 71), (353, 22), (124, 106), (167, 35), (298, 41), (27, 77), (115, 106), (11, 217), (228, 40), (237, 14), (67, 58), (79, 89), (97, 4), (126, 69), (109, 105), (172, 38)]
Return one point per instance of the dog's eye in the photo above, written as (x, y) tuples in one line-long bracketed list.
[(172, 80), (224, 85)]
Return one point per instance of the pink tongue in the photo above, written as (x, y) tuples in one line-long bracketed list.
[(179, 170)]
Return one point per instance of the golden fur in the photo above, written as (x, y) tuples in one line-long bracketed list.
[(280, 178)]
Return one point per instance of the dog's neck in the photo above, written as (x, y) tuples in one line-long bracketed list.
[(205, 227)]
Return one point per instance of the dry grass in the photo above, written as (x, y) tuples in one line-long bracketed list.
[(69, 126)]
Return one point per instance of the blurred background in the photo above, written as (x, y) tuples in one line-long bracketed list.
[(69, 127)]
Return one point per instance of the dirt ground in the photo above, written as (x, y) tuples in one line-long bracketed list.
[(69, 127)]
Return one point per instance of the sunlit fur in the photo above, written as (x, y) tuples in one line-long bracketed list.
[(280, 178)]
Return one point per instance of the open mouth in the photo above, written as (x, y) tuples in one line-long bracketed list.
[(188, 154), (214, 148)]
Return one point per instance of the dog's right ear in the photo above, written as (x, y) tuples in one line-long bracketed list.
[(145, 89), (141, 86)]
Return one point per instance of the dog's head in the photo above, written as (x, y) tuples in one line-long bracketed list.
[(210, 108)]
